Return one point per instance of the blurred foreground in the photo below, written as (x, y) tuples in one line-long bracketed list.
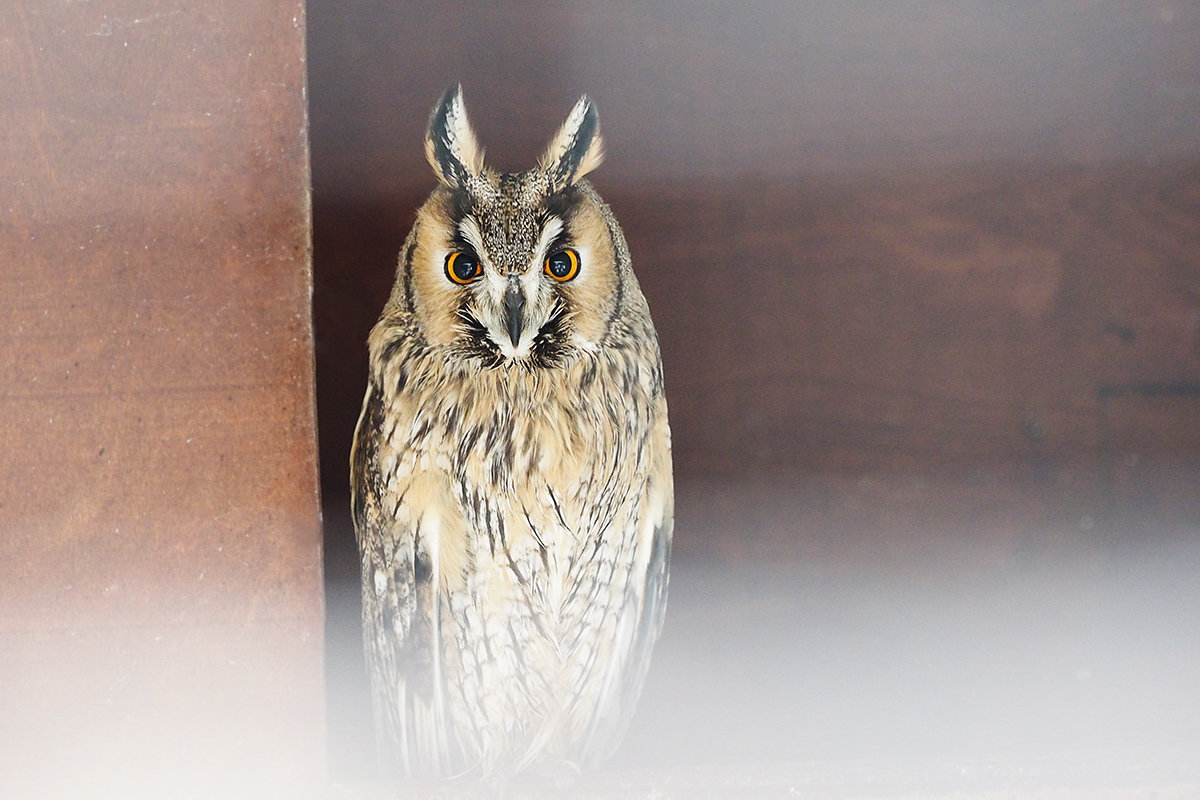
[(885, 637)]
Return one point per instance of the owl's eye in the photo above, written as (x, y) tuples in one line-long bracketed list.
[(563, 265), (462, 267)]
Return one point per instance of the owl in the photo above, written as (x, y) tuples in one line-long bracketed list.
[(511, 470)]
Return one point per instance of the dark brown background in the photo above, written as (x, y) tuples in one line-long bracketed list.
[(918, 234), (927, 280), (160, 572)]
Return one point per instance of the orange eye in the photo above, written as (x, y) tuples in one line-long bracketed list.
[(462, 267), (563, 265)]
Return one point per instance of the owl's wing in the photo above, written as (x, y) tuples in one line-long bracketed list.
[(649, 620), (387, 569), (646, 596), (401, 628)]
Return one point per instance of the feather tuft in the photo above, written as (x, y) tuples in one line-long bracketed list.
[(450, 144), (576, 149)]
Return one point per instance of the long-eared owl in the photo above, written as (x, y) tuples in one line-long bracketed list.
[(511, 470)]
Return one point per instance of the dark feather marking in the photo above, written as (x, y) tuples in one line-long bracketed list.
[(607, 502), (557, 508), (475, 503), (507, 450), (422, 430), (563, 173), (552, 342), (364, 476), (401, 378), (467, 442), (491, 530), (453, 169), (478, 343), (391, 351), (660, 557), (560, 204), (399, 501), (530, 445), (422, 567), (406, 258), (588, 376), (507, 552), (538, 538), (461, 205), (618, 309), (496, 430)]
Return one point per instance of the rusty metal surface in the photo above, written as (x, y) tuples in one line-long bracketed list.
[(159, 514)]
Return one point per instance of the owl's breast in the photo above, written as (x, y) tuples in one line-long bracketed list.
[(536, 458), (530, 495)]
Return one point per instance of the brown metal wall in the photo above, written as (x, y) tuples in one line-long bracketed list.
[(159, 514)]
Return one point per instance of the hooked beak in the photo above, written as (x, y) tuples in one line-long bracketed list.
[(514, 307)]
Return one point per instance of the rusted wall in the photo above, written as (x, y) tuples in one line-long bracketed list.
[(159, 512)]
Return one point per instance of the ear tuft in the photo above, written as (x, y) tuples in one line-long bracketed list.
[(576, 149), (450, 144)]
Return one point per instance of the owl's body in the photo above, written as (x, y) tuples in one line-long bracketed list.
[(511, 471)]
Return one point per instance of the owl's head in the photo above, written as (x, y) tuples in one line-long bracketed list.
[(523, 268)]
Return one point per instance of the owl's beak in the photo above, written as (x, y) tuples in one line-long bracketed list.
[(514, 306)]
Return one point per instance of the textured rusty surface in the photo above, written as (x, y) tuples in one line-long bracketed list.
[(160, 557)]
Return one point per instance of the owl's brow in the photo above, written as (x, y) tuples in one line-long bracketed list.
[(468, 229), (552, 230)]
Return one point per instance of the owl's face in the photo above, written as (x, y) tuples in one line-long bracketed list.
[(512, 268)]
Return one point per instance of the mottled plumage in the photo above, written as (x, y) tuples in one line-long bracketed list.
[(511, 470)]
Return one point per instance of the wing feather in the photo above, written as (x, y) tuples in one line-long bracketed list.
[(640, 616), (402, 607)]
